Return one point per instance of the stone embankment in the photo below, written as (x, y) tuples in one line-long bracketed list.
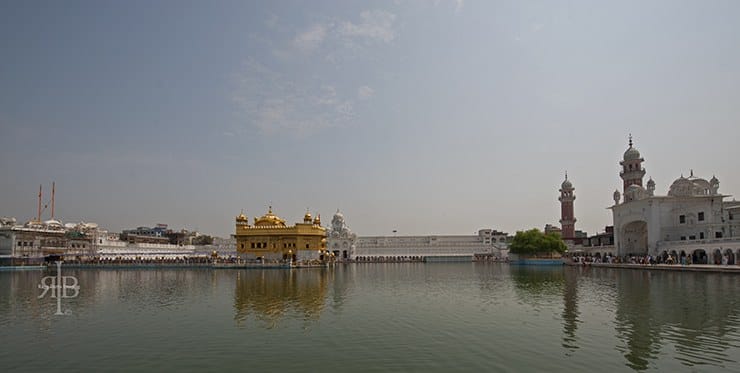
[(665, 267)]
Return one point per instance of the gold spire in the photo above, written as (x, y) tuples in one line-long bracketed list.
[(241, 218), (269, 219)]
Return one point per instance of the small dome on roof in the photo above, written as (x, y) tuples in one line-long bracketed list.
[(635, 192), (691, 186), (53, 223), (631, 153), (566, 184), (269, 219)]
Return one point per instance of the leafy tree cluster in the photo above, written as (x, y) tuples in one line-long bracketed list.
[(533, 242), (203, 240)]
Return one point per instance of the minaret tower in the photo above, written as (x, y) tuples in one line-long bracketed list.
[(567, 218), (632, 171)]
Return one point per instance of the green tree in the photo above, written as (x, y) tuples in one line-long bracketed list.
[(533, 242)]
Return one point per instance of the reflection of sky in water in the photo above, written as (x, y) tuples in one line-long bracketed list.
[(378, 317)]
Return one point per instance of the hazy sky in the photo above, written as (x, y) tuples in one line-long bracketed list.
[(428, 117)]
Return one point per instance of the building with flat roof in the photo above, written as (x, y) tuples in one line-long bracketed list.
[(346, 245)]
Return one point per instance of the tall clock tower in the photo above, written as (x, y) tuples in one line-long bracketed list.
[(567, 218)]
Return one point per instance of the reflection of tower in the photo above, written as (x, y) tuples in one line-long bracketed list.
[(567, 218), (632, 171), (570, 310), (637, 327)]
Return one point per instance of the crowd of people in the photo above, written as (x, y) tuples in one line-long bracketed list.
[(136, 260), (665, 258), (386, 259)]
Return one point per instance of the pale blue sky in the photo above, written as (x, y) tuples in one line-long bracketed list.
[(428, 117)]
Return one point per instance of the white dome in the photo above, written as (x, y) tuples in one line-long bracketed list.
[(631, 154), (635, 192), (52, 222), (685, 187)]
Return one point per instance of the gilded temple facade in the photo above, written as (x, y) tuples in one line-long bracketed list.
[(271, 239)]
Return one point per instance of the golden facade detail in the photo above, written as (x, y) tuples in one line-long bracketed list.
[(271, 238)]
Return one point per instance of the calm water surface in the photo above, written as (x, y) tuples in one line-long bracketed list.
[(374, 317)]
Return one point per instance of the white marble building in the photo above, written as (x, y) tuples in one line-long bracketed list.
[(693, 219), (340, 240), (346, 245)]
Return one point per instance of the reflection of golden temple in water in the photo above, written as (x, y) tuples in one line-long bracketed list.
[(270, 295)]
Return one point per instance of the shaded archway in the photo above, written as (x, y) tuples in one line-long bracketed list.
[(699, 256), (717, 256), (634, 238), (730, 257)]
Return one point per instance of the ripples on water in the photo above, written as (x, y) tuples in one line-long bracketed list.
[(376, 317)]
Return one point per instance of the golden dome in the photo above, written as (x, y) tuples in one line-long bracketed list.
[(241, 218), (307, 217), (317, 221), (269, 219)]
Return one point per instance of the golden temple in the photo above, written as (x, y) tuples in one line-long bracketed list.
[(271, 239)]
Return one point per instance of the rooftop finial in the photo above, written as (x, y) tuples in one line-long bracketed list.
[(269, 210), (692, 172), (566, 174), (630, 140)]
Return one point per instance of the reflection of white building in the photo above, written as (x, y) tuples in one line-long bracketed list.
[(346, 245), (692, 218)]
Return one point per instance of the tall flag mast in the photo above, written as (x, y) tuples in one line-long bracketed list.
[(38, 217), (53, 189)]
